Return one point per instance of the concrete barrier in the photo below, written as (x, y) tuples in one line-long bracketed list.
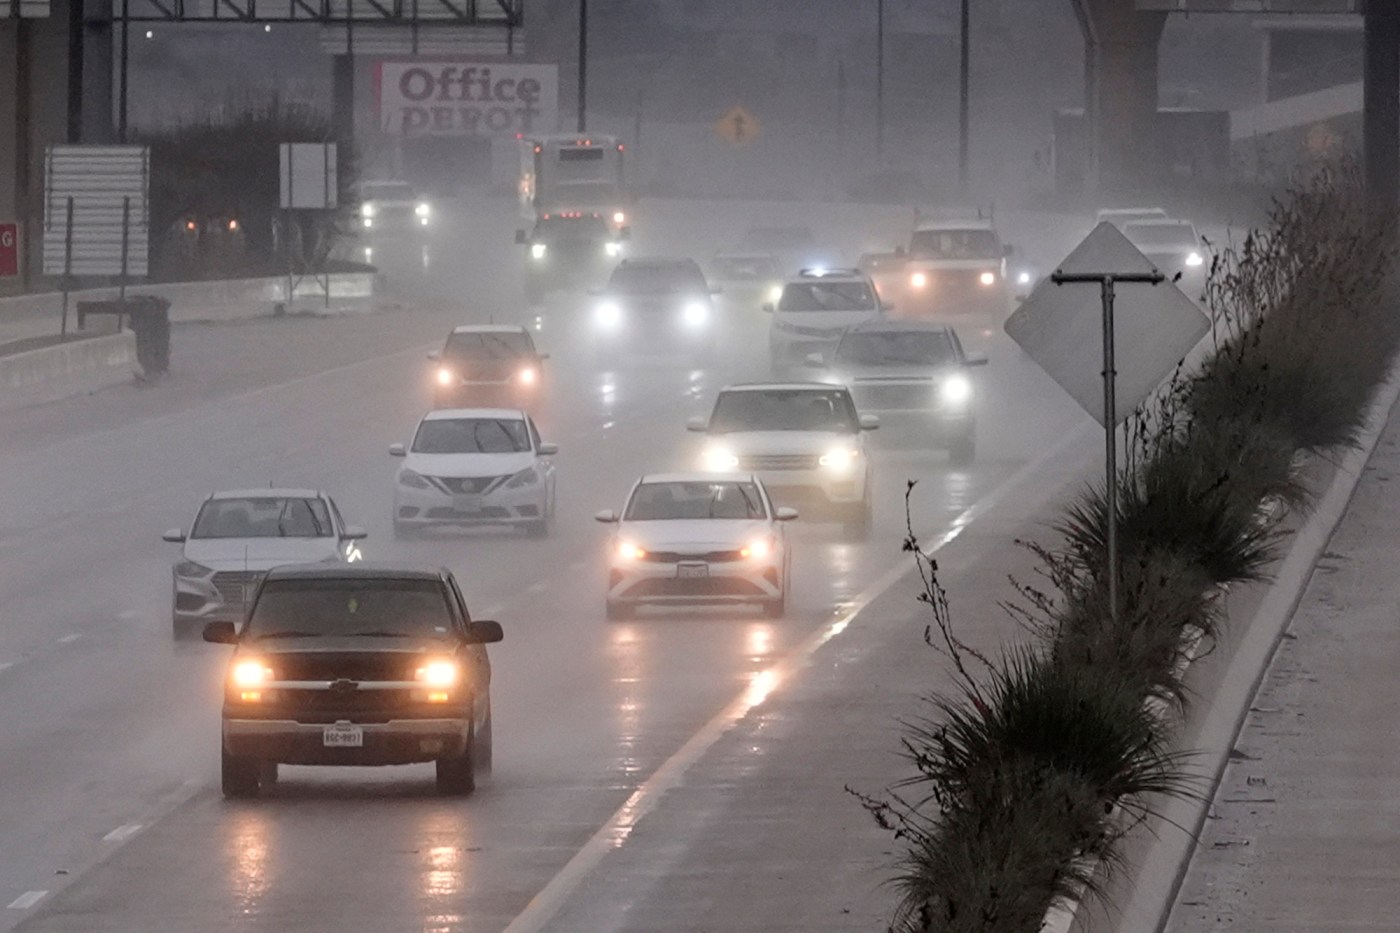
[(67, 369)]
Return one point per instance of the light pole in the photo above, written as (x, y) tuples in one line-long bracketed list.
[(962, 100), (583, 66), (880, 78)]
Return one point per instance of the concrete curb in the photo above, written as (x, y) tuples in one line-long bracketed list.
[(1158, 881), (67, 369)]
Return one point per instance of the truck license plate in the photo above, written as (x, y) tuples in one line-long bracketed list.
[(692, 571), (342, 735)]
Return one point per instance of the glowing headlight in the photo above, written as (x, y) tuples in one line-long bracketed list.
[(423, 210), (250, 673), (719, 459), (188, 568), (445, 376), (528, 376), (438, 673), (956, 390), (537, 250), (413, 480), (696, 314), (775, 294), (369, 222), (840, 459), (612, 248), (626, 550), (619, 217), (1194, 259), (1023, 278), (918, 280), (987, 278), (608, 314), (526, 477), (758, 549), (367, 210)]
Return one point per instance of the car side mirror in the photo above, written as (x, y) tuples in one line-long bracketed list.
[(483, 632), (220, 633), (697, 425), (521, 238), (435, 355), (174, 536), (975, 361), (397, 450), (785, 514), (607, 517), (548, 450), (354, 533), (869, 422), (814, 361), (768, 307)]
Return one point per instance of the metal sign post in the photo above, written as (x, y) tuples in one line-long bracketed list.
[(67, 266), (1110, 406)]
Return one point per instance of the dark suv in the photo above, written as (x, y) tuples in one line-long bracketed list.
[(356, 665)]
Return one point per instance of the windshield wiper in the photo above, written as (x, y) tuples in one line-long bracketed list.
[(288, 633), (381, 634)]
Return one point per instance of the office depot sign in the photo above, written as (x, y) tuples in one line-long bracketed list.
[(456, 98)]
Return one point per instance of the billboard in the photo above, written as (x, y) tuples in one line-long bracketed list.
[(463, 98)]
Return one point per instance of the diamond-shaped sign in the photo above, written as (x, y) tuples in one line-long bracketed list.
[(738, 126), (1061, 326)]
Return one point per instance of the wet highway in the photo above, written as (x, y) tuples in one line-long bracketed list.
[(110, 813)]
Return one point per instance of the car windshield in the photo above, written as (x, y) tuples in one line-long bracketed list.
[(745, 267), (399, 191), (351, 607), (827, 296), (562, 229), (471, 436), (656, 280), (263, 517), (655, 502), (785, 410), (779, 238), (1149, 234), (487, 345), (896, 348), (955, 244)]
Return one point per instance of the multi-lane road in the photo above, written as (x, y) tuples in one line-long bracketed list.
[(110, 814)]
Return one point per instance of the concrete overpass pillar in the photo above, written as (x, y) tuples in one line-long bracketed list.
[(1381, 105)]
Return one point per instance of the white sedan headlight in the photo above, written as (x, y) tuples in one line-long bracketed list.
[(775, 294), (840, 459), (1194, 259), (537, 250), (987, 278), (695, 314), (1023, 278), (612, 248), (918, 280), (188, 568), (956, 390), (526, 477), (719, 459), (367, 210), (608, 314), (413, 480), (423, 210)]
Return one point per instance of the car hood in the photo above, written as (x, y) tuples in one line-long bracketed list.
[(832, 321), (782, 442), (991, 263), (693, 534), (469, 465), (349, 645), (879, 374), (259, 554)]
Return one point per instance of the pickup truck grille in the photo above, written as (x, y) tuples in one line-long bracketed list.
[(760, 462)]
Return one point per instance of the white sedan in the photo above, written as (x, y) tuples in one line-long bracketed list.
[(698, 538), (475, 466)]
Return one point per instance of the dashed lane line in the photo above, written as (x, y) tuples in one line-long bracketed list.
[(123, 832), (27, 900)]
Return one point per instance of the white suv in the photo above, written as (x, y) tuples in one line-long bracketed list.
[(802, 439), (815, 308)]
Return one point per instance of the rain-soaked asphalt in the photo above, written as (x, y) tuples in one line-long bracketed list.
[(110, 814)]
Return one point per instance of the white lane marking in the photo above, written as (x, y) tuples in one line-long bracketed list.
[(27, 900), (123, 832), (70, 638), (613, 834)]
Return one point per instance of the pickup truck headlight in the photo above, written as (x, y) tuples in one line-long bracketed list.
[(956, 390), (612, 248), (1194, 259), (719, 459), (918, 280), (840, 459), (439, 672), (988, 278), (608, 314), (188, 568), (537, 250), (423, 210), (695, 314), (250, 672)]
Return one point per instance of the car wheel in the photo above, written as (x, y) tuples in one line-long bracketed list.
[(483, 745), (857, 524), (239, 777), (267, 773), (776, 608), (456, 776), (618, 612), (963, 449)]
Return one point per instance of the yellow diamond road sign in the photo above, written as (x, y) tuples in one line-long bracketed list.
[(738, 126)]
